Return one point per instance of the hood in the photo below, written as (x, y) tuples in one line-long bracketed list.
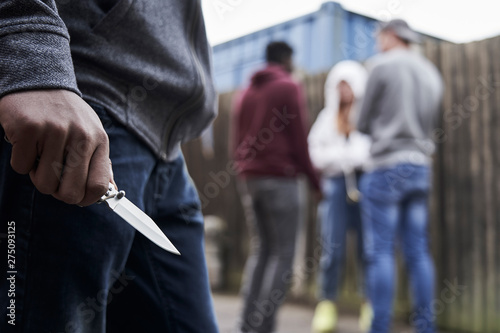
[(270, 73), (350, 71)]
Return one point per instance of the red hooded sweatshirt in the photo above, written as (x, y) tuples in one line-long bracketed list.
[(269, 128)]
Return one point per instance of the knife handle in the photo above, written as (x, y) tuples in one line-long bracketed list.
[(111, 193)]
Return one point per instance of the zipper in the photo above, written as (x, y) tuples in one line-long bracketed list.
[(199, 95)]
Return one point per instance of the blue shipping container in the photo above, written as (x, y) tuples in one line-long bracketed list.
[(320, 40)]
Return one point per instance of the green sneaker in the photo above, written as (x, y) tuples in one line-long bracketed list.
[(365, 317), (325, 317)]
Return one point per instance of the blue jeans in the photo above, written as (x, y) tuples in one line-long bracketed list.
[(394, 205), (337, 215), (86, 270)]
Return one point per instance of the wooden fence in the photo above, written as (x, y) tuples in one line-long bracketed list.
[(465, 202), (466, 198)]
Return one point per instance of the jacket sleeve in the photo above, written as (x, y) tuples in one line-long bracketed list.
[(34, 47), (325, 150), (297, 107), (374, 87)]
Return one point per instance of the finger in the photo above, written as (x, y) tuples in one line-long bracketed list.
[(99, 176), (24, 154), (112, 179), (74, 177), (46, 175)]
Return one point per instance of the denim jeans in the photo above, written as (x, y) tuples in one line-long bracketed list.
[(337, 216), (86, 270), (273, 209), (394, 206)]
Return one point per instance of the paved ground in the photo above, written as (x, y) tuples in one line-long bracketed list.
[(292, 318)]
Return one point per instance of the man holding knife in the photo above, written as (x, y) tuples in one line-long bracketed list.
[(131, 85)]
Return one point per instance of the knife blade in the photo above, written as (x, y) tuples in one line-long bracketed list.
[(117, 202)]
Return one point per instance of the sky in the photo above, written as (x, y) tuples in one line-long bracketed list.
[(459, 21)]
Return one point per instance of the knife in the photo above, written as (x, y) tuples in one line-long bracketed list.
[(117, 202), (134, 216)]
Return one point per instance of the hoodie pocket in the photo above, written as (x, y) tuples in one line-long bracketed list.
[(113, 17)]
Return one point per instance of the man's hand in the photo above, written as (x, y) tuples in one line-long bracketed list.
[(59, 140)]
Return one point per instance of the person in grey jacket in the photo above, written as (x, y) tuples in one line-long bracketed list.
[(399, 113), (84, 84)]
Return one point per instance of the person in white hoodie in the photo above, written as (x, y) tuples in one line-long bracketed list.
[(339, 151)]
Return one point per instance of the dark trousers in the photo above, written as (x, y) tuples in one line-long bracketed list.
[(273, 211), (86, 270)]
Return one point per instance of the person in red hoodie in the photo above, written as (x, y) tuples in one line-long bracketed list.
[(271, 152)]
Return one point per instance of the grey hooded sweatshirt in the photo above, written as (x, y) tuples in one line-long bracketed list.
[(400, 108), (146, 61)]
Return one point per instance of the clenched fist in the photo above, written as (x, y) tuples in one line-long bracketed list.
[(59, 140)]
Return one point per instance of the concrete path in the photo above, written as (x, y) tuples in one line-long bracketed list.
[(292, 318)]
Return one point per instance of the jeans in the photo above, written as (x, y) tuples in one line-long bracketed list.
[(273, 209), (86, 270), (394, 205), (337, 215)]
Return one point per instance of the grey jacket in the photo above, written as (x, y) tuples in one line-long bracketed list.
[(400, 108), (146, 61)]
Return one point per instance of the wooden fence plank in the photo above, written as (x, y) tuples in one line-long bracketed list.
[(486, 92), (477, 189), (493, 79), (495, 85), (463, 184), (485, 98), (432, 50), (449, 267)]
